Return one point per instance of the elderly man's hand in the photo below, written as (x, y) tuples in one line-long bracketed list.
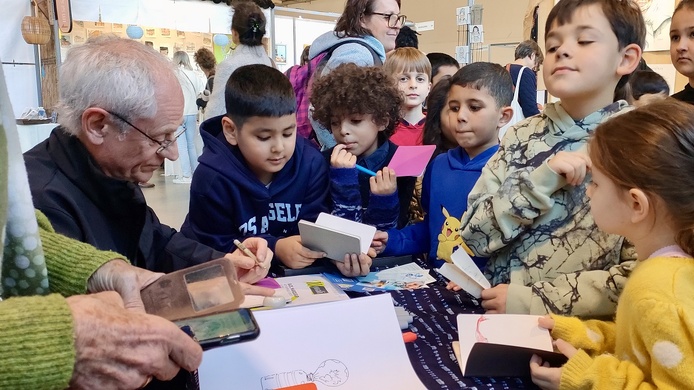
[(121, 349), (125, 279), (246, 268)]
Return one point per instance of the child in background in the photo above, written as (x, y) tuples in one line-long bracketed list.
[(438, 129), (528, 211), (682, 47), (441, 65), (256, 178), (478, 103), (646, 86), (642, 188), (411, 69), (361, 106)]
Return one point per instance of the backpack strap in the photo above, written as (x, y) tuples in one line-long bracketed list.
[(376, 58)]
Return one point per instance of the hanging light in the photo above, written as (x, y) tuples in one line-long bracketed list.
[(35, 29), (134, 32), (220, 39)]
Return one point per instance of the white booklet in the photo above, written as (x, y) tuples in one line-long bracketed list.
[(345, 345), (336, 236), (502, 344), (465, 273)]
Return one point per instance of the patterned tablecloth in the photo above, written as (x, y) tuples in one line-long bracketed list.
[(435, 310)]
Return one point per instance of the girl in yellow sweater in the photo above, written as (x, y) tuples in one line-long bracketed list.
[(643, 189)]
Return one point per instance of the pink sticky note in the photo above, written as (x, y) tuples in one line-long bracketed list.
[(411, 160)]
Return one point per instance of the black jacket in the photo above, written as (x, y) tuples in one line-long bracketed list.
[(83, 203)]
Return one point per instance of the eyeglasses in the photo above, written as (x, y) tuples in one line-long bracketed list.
[(394, 20), (162, 144)]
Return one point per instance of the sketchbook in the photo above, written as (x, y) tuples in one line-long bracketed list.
[(502, 344), (336, 236), (344, 345), (465, 273)]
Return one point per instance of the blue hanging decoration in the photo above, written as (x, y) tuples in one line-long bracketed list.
[(220, 40), (134, 32)]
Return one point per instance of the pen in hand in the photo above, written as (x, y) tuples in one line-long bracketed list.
[(248, 253)]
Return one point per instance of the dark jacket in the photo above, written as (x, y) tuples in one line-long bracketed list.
[(227, 201), (83, 203), (351, 196)]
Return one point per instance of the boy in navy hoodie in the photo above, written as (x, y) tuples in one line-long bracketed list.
[(479, 99), (256, 178), (361, 106)]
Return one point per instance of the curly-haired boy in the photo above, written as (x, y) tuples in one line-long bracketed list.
[(361, 106)]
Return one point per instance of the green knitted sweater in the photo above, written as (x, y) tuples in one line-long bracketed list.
[(36, 329)]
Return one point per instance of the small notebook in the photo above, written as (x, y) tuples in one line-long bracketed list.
[(336, 236), (502, 344), (411, 160), (465, 273)]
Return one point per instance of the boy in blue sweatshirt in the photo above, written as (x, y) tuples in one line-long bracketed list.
[(361, 106), (479, 99), (256, 178)]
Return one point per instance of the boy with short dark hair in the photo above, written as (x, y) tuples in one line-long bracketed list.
[(478, 101), (256, 177), (528, 213), (361, 106), (442, 65)]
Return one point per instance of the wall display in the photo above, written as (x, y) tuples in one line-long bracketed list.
[(657, 15), (463, 15), (281, 54), (477, 34), (462, 54), (117, 28)]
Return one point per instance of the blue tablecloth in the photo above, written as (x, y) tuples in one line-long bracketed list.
[(434, 310)]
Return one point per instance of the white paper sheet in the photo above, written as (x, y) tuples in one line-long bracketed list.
[(354, 344), (364, 232)]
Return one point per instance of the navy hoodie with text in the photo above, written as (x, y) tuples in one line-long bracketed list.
[(228, 201)]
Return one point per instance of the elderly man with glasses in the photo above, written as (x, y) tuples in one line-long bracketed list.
[(120, 106)]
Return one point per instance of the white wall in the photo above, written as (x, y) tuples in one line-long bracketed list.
[(21, 79)]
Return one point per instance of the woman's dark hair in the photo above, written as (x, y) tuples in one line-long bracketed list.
[(249, 22), (205, 59), (351, 89), (349, 23), (652, 148), (304, 55), (436, 102)]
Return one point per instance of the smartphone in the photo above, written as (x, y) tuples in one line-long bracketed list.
[(216, 330)]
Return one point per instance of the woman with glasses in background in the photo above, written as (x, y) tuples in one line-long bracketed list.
[(365, 32)]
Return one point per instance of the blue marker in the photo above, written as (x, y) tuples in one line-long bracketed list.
[(367, 171)]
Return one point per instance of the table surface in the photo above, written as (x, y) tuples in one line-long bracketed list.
[(434, 310)]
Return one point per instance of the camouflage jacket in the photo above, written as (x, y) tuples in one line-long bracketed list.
[(538, 230)]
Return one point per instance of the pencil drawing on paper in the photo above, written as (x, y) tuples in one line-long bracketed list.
[(331, 372)]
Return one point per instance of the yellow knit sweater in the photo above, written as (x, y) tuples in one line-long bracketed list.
[(651, 343)]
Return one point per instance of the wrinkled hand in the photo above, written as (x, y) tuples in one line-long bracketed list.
[(121, 349), (546, 377), (125, 279), (246, 268), (494, 299), (341, 158), (354, 265), (379, 242), (294, 255), (572, 165), (384, 183)]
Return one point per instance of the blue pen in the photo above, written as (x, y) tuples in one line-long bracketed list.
[(367, 171)]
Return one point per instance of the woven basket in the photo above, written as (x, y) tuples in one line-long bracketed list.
[(36, 30)]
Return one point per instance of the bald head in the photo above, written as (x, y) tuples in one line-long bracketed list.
[(116, 74)]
